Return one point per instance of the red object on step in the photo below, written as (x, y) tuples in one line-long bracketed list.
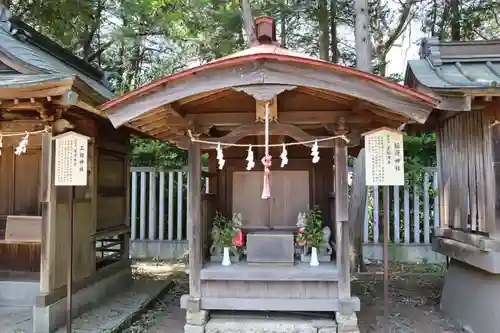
[(238, 239)]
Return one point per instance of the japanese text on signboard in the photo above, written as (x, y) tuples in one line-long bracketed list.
[(71, 160), (384, 158)]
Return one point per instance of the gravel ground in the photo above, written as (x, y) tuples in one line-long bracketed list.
[(415, 291)]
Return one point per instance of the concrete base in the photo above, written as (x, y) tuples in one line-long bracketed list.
[(472, 297), (156, 249), (19, 293), (260, 323), (48, 318), (408, 253)]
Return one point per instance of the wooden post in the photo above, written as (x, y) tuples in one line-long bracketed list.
[(69, 263), (47, 199), (194, 221), (341, 218), (386, 256), (357, 211)]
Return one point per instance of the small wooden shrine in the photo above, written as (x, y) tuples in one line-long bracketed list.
[(465, 77), (277, 127), (45, 91)]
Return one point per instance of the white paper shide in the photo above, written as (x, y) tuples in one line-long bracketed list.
[(71, 150), (384, 157)]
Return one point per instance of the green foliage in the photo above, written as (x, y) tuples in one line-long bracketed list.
[(224, 229), (420, 152), (312, 234)]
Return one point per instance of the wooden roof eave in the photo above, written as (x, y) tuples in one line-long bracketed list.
[(269, 71), (41, 90)]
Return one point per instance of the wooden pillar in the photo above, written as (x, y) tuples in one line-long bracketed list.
[(47, 200), (341, 218), (194, 223)]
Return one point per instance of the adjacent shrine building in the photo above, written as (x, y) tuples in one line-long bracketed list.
[(45, 91), (465, 77)]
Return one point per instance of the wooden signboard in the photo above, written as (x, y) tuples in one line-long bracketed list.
[(71, 159), (384, 157)]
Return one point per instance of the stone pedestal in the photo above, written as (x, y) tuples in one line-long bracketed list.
[(347, 323), (196, 321), (269, 324), (471, 297)]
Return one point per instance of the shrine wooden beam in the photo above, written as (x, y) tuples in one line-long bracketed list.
[(291, 117)]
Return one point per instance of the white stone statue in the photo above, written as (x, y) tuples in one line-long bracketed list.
[(301, 220), (326, 248)]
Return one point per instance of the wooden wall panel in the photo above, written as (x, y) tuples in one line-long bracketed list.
[(27, 183), (246, 199), (82, 243), (111, 190), (289, 196)]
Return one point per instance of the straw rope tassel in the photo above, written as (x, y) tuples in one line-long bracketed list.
[(266, 160)]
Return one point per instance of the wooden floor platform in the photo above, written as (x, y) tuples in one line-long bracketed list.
[(243, 271)]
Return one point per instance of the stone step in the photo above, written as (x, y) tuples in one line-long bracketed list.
[(270, 323)]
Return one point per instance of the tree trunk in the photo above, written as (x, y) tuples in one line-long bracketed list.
[(248, 23), (357, 205), (324, 30), (455, 20), (283, 32), (333, 31), (362, 36), (382, 64)]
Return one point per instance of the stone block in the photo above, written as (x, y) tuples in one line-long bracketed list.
[(188, 328), (324, 323), (327, 330), (236, 324), (346, 323), (199, 318), (270, 247), (349, 306)]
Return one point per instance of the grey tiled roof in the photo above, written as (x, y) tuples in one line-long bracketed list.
[(459, 65), (16, 46), (26, 80)]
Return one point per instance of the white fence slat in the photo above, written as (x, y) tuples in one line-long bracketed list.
[(179, 205), (387, 210), (366, 220), (436, 200), (376, 212), (152, 206), (397, 219), (149, 209), (161, 203), (427, 238), (406, 204), (416, 215), (142, 228), (170, 205), (133, 207)]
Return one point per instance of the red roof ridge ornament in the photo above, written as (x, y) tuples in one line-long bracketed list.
[(265, 27)]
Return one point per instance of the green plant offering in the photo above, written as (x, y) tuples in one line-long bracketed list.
[(312, 233), (224, 229)]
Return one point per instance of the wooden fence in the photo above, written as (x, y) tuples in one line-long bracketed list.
[(159, 203)]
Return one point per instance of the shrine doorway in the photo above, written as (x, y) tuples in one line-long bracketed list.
[(290, 195)]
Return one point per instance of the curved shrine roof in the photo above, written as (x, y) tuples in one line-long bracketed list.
[(269, 52)]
